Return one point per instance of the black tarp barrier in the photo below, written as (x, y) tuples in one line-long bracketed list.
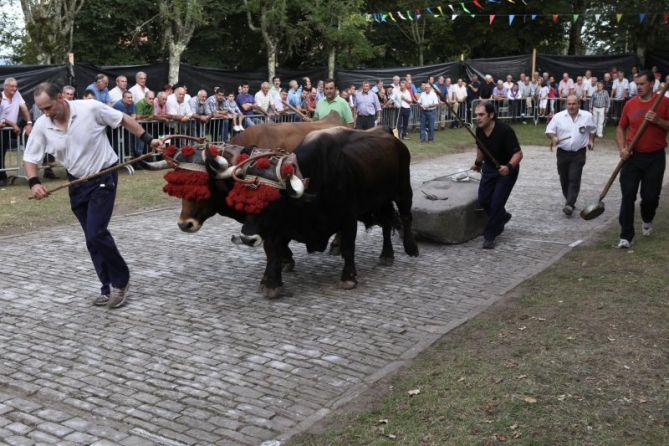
[(499, 67), (345, 78), (576, 65), (29, 77), (660, 60)]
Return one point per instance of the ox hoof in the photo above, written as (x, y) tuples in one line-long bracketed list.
[(386, 261), (276, 293), (289, 267), (411, 249), (348, 284)]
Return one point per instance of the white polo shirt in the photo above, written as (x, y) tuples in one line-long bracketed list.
[(175, 108), (428, 101), (579, 129), (83, 148), (138, 92), (10, 109)]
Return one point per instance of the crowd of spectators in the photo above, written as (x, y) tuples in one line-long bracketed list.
[(433, 102)]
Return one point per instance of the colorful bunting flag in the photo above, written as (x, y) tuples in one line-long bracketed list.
[(384, 17), (441, 11), (492, 18), (511, 17), (399, 14), (597, 16), (478, 5), (465, 8), (574, 18), (429, 11), (418, 14), (619, 17), (452, 8), (511, 1), (409, 16), (534, 17), (555, 17), (642, 17), (453, 17), (390, 14)]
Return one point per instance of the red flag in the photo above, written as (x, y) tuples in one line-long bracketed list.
[(555, 17), (478, 5), (492, 18)]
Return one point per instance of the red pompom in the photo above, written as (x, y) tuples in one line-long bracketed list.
[(188, 151), (263, 163), (187, 184), (249, 200), (241, 158), (171, 150), (213, 150), (287, 170)]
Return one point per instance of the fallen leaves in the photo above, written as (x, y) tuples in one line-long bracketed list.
[(530, 399), (413, 392)]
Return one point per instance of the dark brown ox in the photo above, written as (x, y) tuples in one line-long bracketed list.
[(353, 176)]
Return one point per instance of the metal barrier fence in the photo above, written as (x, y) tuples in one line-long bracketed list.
[(536, 109), (11, 153), (444, 116)]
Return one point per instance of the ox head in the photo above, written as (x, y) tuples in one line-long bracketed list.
[(198, 178)]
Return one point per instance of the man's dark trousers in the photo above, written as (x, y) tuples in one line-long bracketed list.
[(365, 122), (570, 167), (92, 203), (494, 191), (647, 169)]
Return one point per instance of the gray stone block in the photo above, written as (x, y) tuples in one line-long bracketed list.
[(454, 217)]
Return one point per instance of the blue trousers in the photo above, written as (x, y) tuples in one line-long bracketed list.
[(427, 118), (494, 191), (92, 203)]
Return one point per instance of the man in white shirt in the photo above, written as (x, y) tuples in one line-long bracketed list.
[(620, 87), (428, 102), (459, 97), (116, 93), (508, 85), (139, 89), (12, 102), (75, 133), (264, 100), (572, 131)]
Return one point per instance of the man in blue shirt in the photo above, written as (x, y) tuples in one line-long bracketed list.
[(126, 105), (367, 106), (99, 87), (246, 103)]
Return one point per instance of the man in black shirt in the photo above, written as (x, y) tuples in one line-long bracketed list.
[(485, 92), (496, 182)]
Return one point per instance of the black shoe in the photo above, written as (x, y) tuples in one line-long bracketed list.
[(488, 244), (568, 210), (49, 174), (3, 182)]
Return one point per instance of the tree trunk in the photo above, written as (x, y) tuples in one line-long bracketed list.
[(176, 50), (271, 57), (421, 51), (331, 62)]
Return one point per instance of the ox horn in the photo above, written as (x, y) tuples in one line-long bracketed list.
[(219, 160), (226, 174), (297, 185), (156, 165)]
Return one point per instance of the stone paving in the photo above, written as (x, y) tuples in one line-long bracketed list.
[(199, 357)]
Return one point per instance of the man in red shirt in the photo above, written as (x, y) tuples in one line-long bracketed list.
[(645, 164)]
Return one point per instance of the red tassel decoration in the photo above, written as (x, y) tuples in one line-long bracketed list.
[(171, 150), (241, 158), (287, 170), (188, 151), (263, 163), (187, 184), (251, 201), (213, 150)]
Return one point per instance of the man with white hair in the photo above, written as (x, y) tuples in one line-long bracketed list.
[(264, 100), (12, 102), (485, 91), (139, 89)]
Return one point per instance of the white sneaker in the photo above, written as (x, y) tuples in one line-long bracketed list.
[(646, 229), (623, 244), (236, 128), (241, 129)]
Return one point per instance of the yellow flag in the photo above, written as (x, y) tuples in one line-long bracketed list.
[(619, 17)]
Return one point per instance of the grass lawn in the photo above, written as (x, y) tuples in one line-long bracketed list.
[(578, 355), (144, 190)]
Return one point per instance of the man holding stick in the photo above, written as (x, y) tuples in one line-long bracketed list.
[(75, 133), (645, 164), (499, 163)]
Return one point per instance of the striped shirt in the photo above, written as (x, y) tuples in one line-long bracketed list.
[(600, 99)]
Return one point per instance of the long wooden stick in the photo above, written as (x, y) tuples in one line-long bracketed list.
[(122, 165), (302, 115)]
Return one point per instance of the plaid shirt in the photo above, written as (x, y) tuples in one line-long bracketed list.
[(600, 99)]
